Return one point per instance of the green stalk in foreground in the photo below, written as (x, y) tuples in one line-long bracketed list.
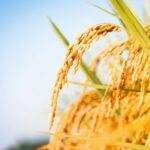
[(132, 24), (90, 75), (104, 87)]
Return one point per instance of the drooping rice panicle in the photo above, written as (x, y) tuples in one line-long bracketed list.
[(74, 55), (91, 76)]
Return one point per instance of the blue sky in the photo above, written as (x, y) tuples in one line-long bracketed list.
[(30, 55)]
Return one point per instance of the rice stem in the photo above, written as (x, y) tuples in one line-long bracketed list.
[(103, 87)]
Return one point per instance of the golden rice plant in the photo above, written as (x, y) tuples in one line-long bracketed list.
[(111, 116)]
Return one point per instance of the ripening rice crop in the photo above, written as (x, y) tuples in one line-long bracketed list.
[(111, 116)]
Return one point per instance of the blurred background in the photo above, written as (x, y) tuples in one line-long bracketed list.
[(30, 55)]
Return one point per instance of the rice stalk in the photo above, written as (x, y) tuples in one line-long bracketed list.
[(104, 87), (105, 10)]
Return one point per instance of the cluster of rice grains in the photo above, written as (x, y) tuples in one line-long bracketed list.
[(121, 115)]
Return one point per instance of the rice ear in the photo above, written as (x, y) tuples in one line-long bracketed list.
[(73, 57)]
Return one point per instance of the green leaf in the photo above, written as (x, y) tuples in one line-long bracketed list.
[(103, 87), (59, 33), (118, 112), (132, 24), (96, 86), (105, 10)]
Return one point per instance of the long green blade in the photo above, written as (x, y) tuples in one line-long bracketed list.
[(59, 33), (105, 10), (132, 24), (103, 87)]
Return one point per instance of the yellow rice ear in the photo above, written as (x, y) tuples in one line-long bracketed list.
[(74, 55)]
